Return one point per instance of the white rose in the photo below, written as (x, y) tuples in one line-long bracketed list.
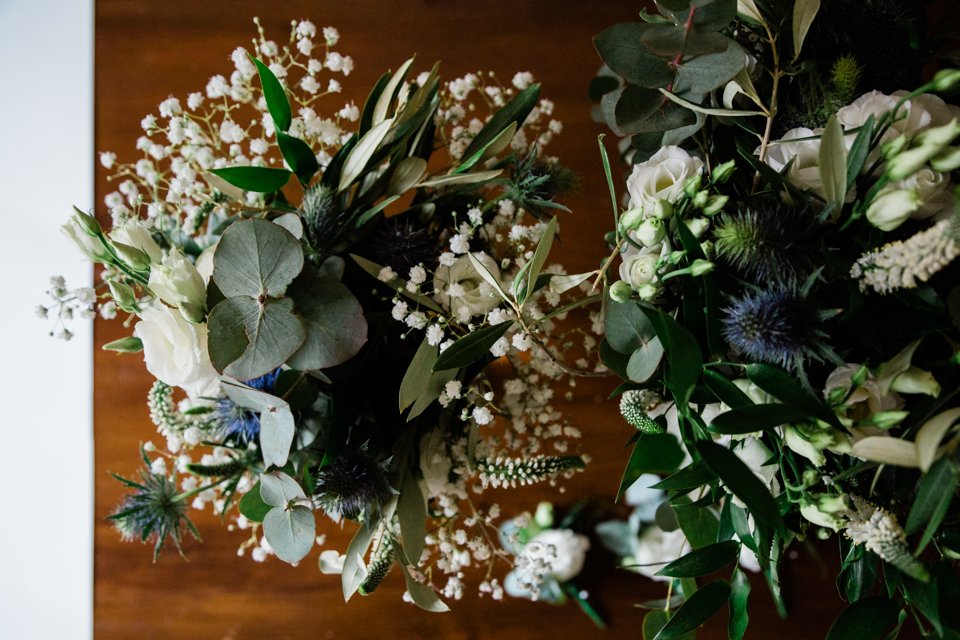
[(869, 398), (661, 177), (805, 154), (175, 351), (477, 296), (435, 465), (177, 282), (135, 234), (933, 190), (204, 263), (563, 550), (639, 266)]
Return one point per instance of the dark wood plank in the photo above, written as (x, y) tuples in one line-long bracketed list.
[(146, 51)]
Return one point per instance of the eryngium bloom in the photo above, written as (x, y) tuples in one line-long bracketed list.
[(241, 424), (775, 326), (351, 484), (769, 241)]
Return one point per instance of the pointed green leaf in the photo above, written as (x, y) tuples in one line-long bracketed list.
[(933, 500), (730, 113), (291, 532), (540, 255), (412, 515), (471, 347), (406, 174), (256, 257), (275, 96), (785, 388), (333, 318), (299, 156), (739, 613), (755, 418), (396, 284), (388, 94), (653, 453), (360, 156), (516, 110), (697, 609), (415, 380), (702, 561), (422, 595), (130, 344), (725, 391), (804, 11), (869, 619), (833, 163), (859, 151), (695, 474), (684, 358), (256, 179), (354, 571), (460, 178), (435, 385), (490, 149), (740, 481)]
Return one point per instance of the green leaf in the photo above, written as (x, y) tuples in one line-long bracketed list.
[(702, 561), (725, 391), (275, 96), (699, 524), (256, 179), (418, 374), (366, 118), (626, 326), (360, 155), (516, 111), (653, 453), (130, 344), (460, 178), (613, 359), (396, 284), (655, 620), (697, 609), (277, 489), (621, 47), (859, 573), (833, 163), (755, 418), (412, 515), (277, 429), (389, 92), (540, 256), (628, 108), (335, 325), (859, 151), (739, 614), (291, 532), (354, 572), (933, 499), (671, 40), (368, 215), (730, 113), (869, 619), (435, 385), (299, 156), (256, 257), (684, 359), (422, 595), (695, 474), (741, 481), (252, 507), (804, 11), (703, 74), (406, 174), (471, 347), (645, 361), (490, 149), (785, 388), (271, 333)]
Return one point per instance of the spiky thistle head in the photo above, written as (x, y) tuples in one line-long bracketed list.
[(844, 78), (350, 485), (536, 183), (324, 222), (403, 242), (769, 240), (776, 326), (153, 511)]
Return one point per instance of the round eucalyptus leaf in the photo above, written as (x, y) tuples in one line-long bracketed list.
[(256, 258), (277, 489), (291, 532), (627, 327), (269, 332), (644, 361), (335, 326)]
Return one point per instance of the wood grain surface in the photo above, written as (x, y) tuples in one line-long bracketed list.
[(149, 50)]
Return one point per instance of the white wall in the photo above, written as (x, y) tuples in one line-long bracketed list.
[(46, 386)]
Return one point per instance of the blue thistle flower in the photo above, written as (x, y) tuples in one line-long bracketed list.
[(238, 423), (776, 326), (351, 484), (154, 511)]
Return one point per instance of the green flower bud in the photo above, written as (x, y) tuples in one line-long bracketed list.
[(892, 208), (810, 477), (905, 164), (647, 292), (892, 147), (132, 256), (650, 232), (124, 296), (825, 510), (621, 291), (700, 199), (544, 515), (700, 267), (631, 218), (715, 205), (938, 137), (946, 79), (191, 312), (663, 210), (692, 185), (698, 226), (947, 160), (887, 419), (722, 172)]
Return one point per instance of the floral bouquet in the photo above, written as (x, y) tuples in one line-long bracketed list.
[(319, 295), (786, 316)]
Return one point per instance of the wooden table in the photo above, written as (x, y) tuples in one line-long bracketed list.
[(147, 51)]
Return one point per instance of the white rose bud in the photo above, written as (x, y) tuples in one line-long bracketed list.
[(133, 233), (84, 231), (892, 208), (650, 232), (175, 351), (177, 282)]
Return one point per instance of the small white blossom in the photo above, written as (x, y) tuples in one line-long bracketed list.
[(522, 80), (482, 415), (500, 347), (108, 159), (434, 335), (386, 274)]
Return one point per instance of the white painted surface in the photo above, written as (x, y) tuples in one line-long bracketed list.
[(46, 386)]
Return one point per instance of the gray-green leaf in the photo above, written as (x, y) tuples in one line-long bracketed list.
[(256, 257), (291, 532), (335, 325)]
